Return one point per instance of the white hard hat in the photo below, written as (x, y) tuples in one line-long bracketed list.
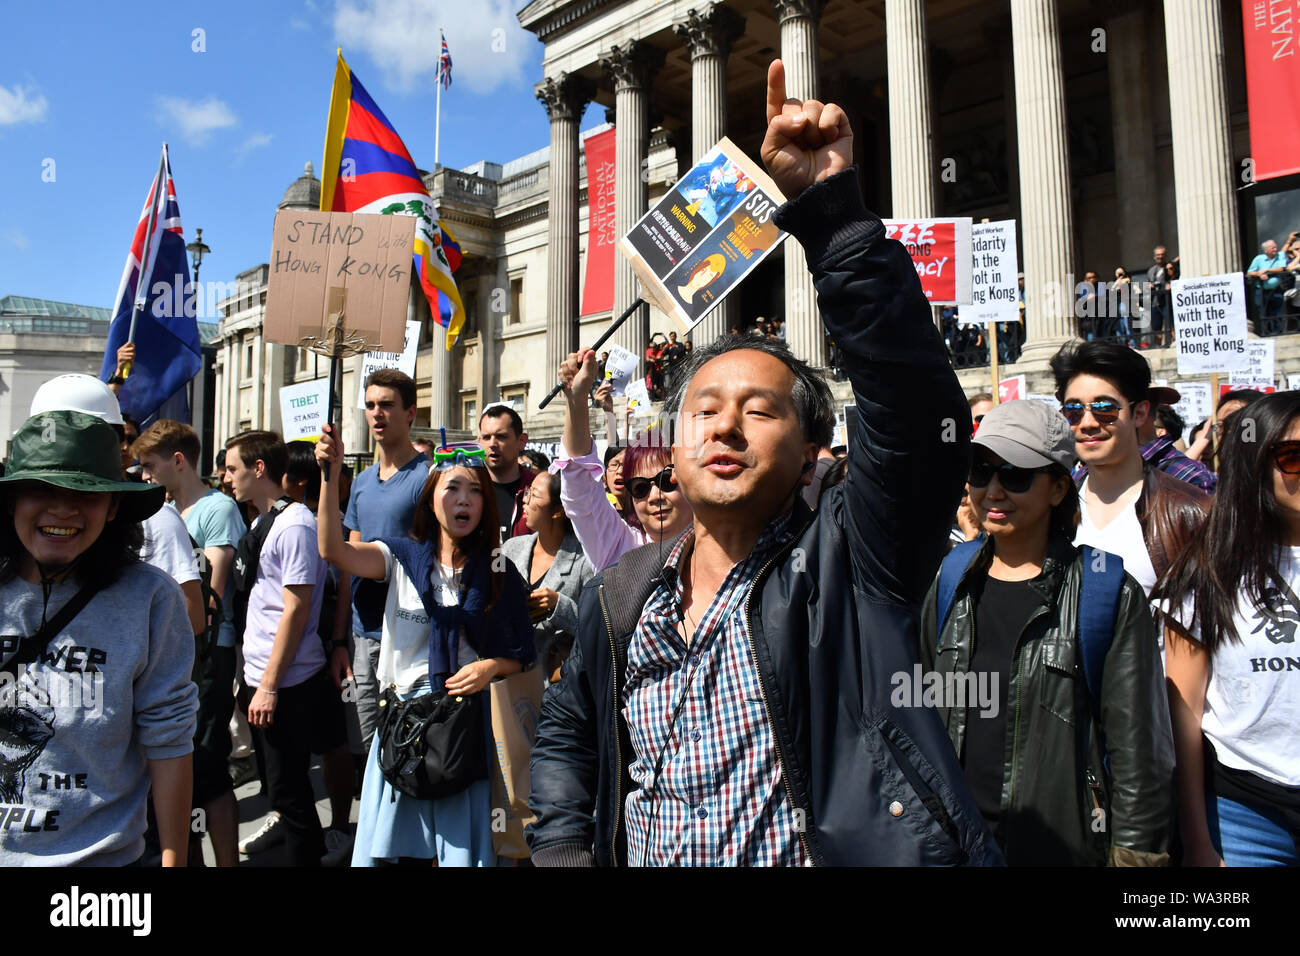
[(78, 393)]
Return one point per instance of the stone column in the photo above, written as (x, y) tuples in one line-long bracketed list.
[(803, 324), (443, 404), (1198, 110), (1047, 217), (564, 97), (257, 413), (630, 65), (911, 137), (708, 37), (1137, 189)]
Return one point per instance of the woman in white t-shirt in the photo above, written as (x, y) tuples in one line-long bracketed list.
[(455, 619), (1232, 654)]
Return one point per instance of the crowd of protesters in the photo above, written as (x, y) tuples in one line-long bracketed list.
[(757, 649)]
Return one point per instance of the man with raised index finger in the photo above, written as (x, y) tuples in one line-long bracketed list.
[(727, 700)]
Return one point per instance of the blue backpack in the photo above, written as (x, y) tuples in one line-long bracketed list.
[(1098, 604)]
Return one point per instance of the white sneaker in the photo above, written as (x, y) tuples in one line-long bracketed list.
[(269, 834), (338, 848)]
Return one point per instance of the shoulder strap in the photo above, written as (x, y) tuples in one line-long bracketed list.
[(1103, 580), (952, 570), (31, 648)]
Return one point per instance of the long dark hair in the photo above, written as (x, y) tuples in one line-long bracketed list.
[(1244, 536), (117, 546), (481, 543)]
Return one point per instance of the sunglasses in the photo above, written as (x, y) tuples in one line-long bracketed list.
[(1105, 411), (1012, 478), (639, 488), (1286, 455)]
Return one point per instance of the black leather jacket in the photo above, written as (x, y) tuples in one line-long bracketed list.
[(831, 616), (1053, 777)]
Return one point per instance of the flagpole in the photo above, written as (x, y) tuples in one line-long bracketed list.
[(142, 280), (437, 120)]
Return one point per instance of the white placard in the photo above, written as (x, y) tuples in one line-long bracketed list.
[(620, 366), (993, 274), (638, 397), (1045, 399), (1194, 404), (1292, 381), (403, 361), (304, 408), (1260, 372), (1210, 324)]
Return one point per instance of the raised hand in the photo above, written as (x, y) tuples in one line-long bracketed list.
[(806, 141), (577, 372), (329, 450)]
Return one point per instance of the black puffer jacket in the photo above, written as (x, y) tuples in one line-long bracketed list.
[(1054, 778), (831, 616)]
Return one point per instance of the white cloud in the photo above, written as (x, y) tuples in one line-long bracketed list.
[(196, 120), (17, 238), (255, 141), (15, 107), (488, 47)]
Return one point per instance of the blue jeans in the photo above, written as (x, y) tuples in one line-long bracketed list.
[(1247, 835)]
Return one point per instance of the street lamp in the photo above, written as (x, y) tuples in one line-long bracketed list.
[(196, 249)]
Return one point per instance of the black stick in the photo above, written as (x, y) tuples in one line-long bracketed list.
[(335, 403), (599, 342)]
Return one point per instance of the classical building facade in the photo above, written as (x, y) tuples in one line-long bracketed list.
[(1103, 127)]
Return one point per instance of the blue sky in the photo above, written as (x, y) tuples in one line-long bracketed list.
[(98, 89)]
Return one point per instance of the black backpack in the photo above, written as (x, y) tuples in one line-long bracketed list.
[(213, 615), (247, 554)]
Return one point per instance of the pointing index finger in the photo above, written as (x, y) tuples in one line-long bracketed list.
[(775, 89)]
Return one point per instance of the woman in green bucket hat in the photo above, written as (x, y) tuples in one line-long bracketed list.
[(96, 702)]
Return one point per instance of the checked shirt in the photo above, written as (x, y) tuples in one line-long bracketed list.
[(720, 799)]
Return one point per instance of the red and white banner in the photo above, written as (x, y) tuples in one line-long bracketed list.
[(1012, 389), (941, 251), (1272, 78), (598, 288)]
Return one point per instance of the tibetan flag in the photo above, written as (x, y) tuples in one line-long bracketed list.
[(444, 63), (368, 169), (167, 350)]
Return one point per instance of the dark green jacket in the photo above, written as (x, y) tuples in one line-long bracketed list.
[(1053, 780)]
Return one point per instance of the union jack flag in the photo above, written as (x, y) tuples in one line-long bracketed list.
[(444, 64)]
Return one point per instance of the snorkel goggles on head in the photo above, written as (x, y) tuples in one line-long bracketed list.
[(460, 455)]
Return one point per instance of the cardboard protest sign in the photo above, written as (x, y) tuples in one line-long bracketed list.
[(1210, 323), (620, 367), (993, 296), (322, 262), (706, 234), (941, 251), (1259, 373), (303, 409), (403, 361), (1045, 399), (1292, 381), (1193, 405)]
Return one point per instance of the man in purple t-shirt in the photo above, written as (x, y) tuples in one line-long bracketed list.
[(293, 711)]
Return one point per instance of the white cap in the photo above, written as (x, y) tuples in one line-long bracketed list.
[(78, 393)]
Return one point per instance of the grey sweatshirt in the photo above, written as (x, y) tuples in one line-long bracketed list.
[(78, 727)]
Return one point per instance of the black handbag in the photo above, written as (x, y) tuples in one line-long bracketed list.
[(433, 745)]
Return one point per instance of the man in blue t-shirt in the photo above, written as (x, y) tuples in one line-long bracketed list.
[(382, 503), (169, 454), (1267, 269)]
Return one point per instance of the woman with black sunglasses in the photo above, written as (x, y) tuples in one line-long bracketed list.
[(1066, 770), (657, 511), (1231, 657)]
